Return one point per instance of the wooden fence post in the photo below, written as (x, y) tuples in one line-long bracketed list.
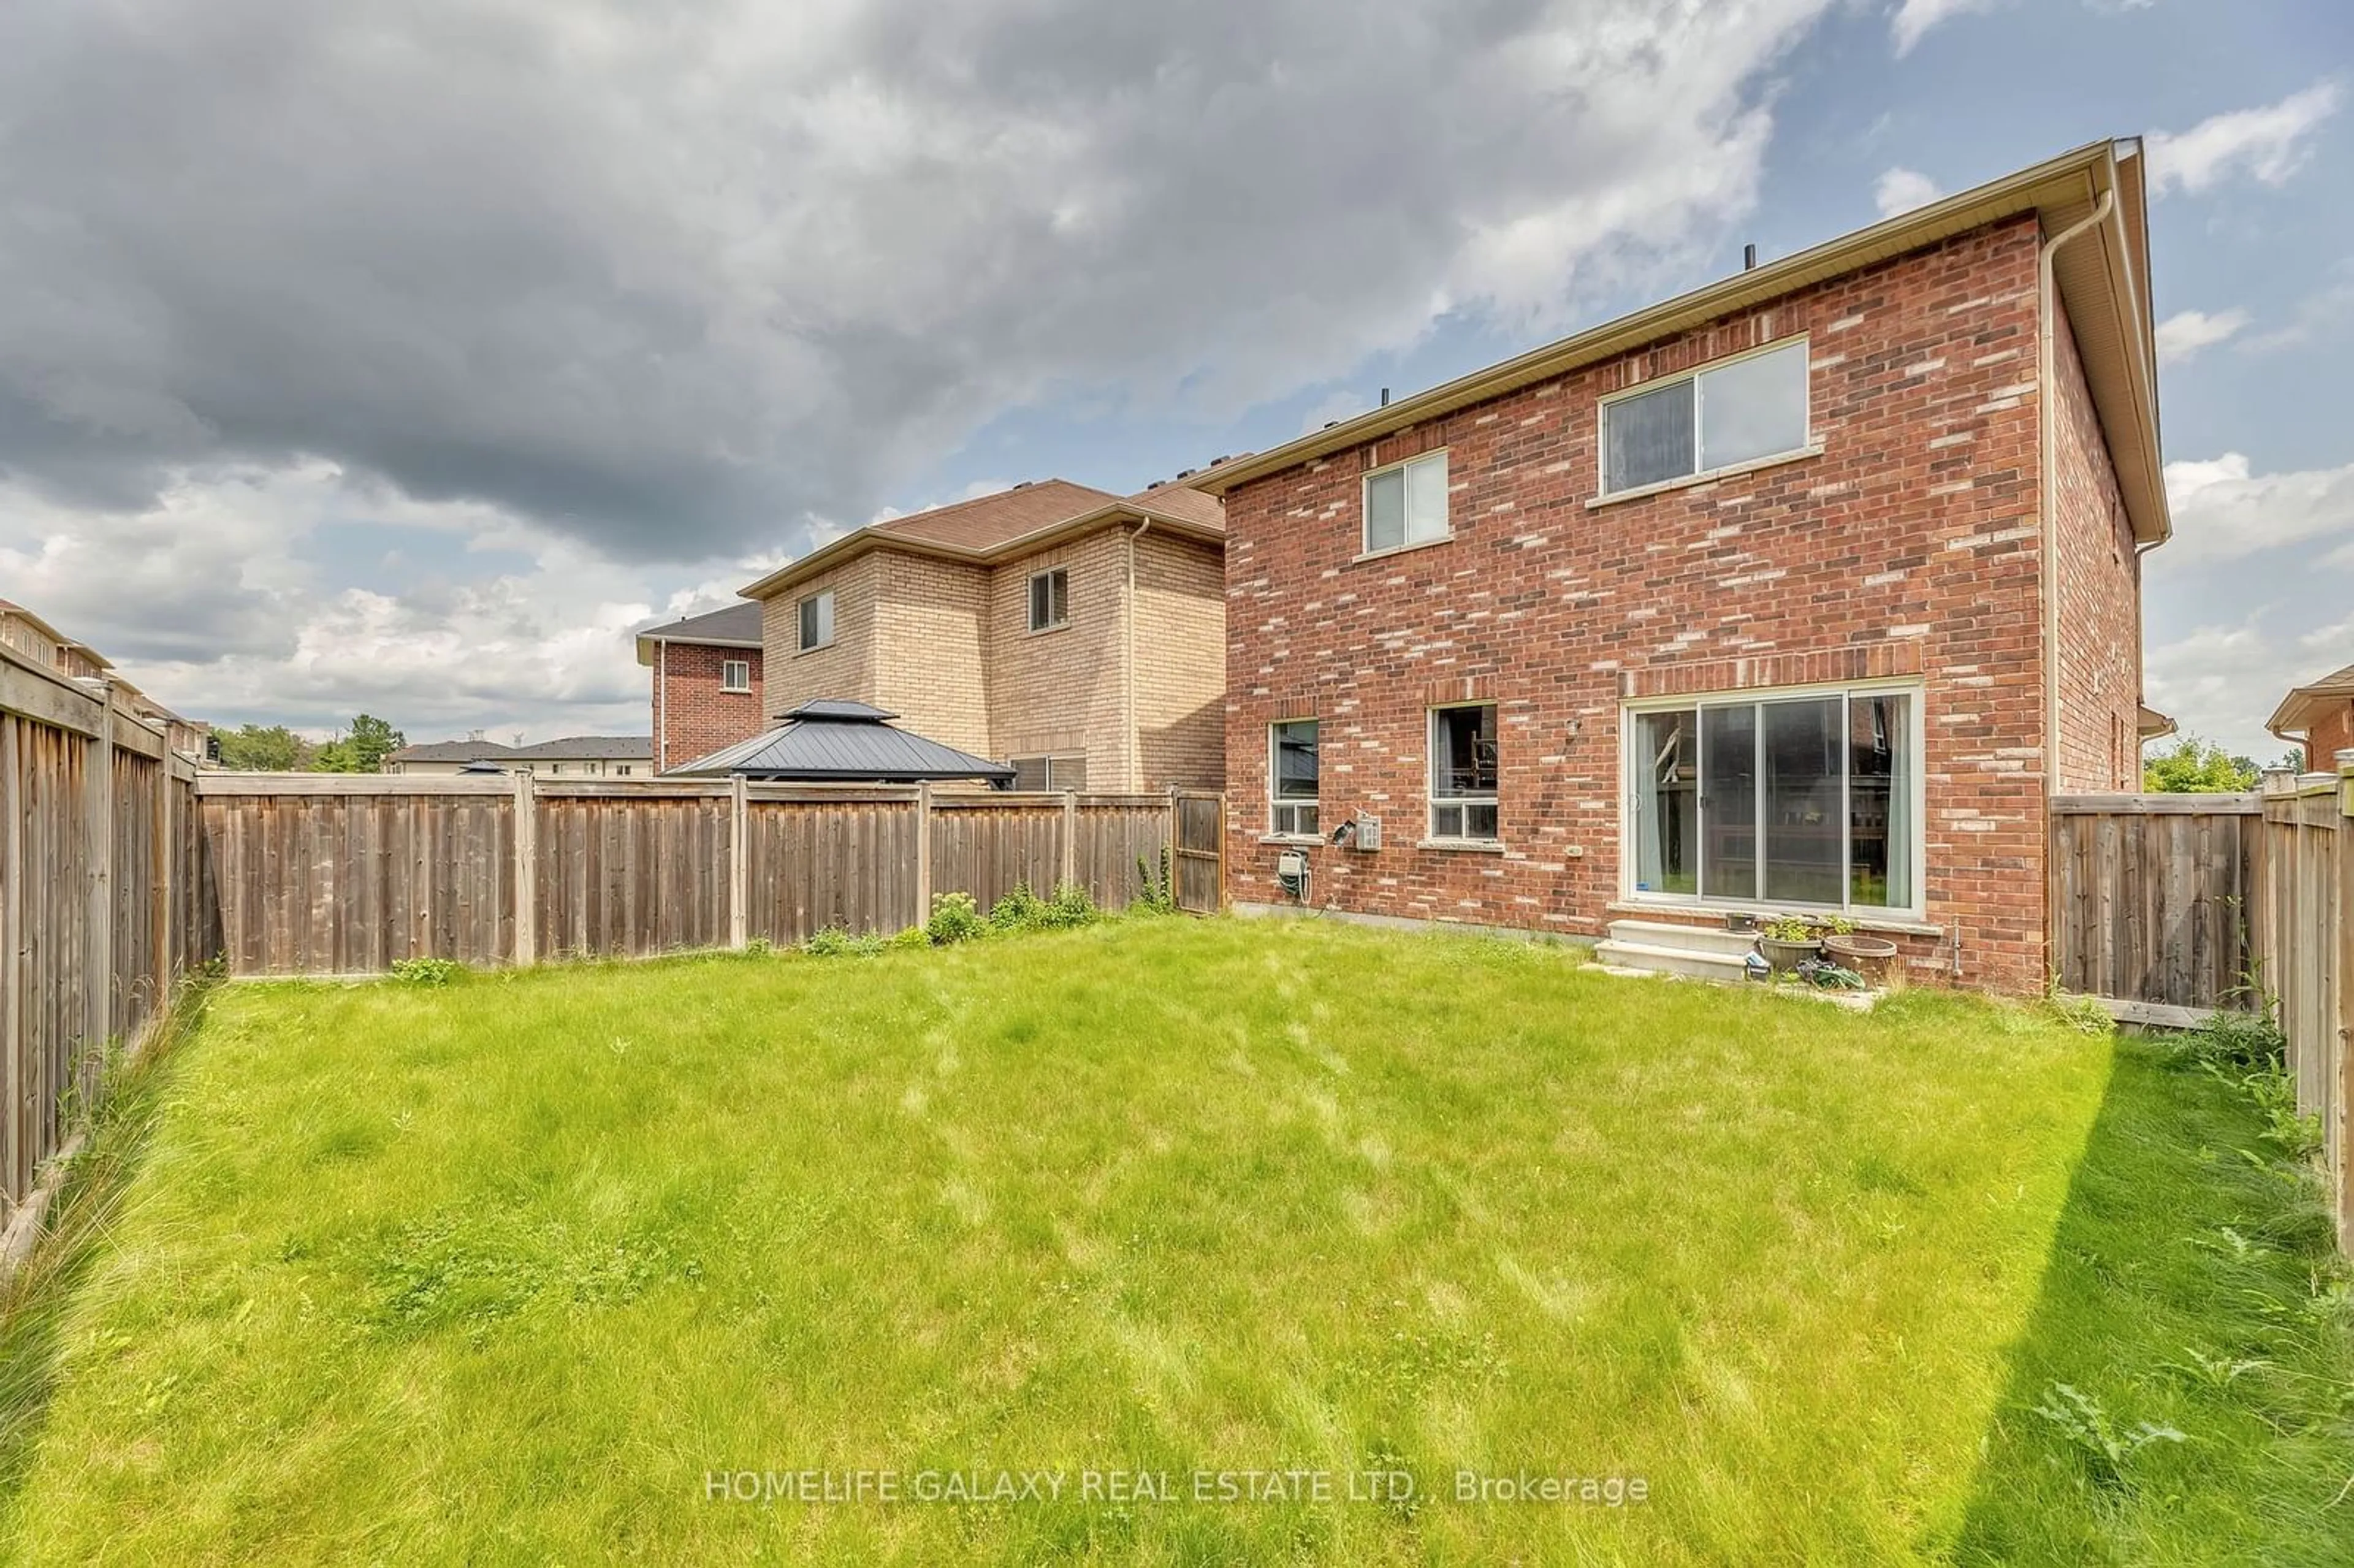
[(526, 873), (98, 940), (739, 851), (1070, 835), (159, 903), (15, 1129), (923, 852), (2343, 959)]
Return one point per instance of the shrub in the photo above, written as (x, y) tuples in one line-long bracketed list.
[(1071, 905), (913, 936), (425, 972), (955, 917), (1019, 910), (759, 948), (834, 942), (1156, 894)]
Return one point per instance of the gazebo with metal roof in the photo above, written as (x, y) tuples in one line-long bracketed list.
[(830, 740)]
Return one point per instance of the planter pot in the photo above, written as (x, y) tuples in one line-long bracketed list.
[(1783, 956), (1867, 956)]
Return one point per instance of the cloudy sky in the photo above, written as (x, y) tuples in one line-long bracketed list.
[(405, 354)]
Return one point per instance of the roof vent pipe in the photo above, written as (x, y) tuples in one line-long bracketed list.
[(1385, 397), (1749, 258)]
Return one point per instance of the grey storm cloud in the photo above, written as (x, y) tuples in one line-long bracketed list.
[(668, 279)]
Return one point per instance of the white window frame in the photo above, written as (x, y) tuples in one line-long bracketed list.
[(1367, 549), (1030, 598), (1283, 815), (801, 621), (1606, 489), (1435, 802), (1631, 782), (736, 675)]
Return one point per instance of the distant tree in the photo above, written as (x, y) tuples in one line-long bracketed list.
[(263, 748), (2195, 766), (360, 749)]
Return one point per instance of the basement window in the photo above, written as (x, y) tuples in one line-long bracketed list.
[(736, 675), (1736, 411)]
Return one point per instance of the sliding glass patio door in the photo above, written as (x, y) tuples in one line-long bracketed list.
[(1805, 799)]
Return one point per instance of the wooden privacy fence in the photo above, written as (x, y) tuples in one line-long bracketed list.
[(2149, 899), (2304, 909), (101, 905), (326, 874), (2167, 906)]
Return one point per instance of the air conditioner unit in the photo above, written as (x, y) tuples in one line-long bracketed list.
[(1368, 835)]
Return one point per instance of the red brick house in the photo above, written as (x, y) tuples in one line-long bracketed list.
[(2320, 718), (707, 683), (1743, 603)]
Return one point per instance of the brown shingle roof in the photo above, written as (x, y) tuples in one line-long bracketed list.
[(1184, 501), (988, 521)]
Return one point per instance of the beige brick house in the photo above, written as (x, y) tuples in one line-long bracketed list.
[(1077, 635)]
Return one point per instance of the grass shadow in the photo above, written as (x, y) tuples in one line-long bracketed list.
[(2187, 1378), (36, 1302)]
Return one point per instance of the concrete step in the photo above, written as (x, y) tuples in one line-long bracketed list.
[(1693, 962), (1690, 939)]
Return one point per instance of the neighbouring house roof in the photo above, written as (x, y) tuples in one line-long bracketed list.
[(737, 626), (2102, 278), (11, 609), (837, 741), (589, 747), (1011, 522), (450, 751), (2296, 709), (584, 747)]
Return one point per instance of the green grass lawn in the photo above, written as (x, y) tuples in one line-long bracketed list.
[(525, 1268)]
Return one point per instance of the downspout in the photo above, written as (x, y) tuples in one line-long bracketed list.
[(2047, 405), (1128, 667), (662, 705)]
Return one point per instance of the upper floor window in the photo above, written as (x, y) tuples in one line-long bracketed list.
[(1463, 773), (1405, 504), (817, 621), (1050, 599), (1291, 778), (736, 675), (1730, 413)]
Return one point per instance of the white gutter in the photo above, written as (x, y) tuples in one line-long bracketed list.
[(2047, 402)]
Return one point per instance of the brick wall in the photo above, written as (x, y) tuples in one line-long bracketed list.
[(1181, 684), (1062, 690), (694, 715), (2099, 579), (2331, 732), (1908, 546), (931, 648), (844, 668)]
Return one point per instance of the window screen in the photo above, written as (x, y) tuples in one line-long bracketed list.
[(817, 620), (1050, 595), (1293, 778)]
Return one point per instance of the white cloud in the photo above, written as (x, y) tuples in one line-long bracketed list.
[(2184, 334), (1900, 190), (2222, 510), (228, 599), (2269, 144), (1914, 17)]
